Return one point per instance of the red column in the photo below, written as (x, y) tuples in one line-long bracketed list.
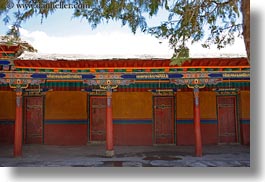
[(18, 125), (197, 124), (109, 126)]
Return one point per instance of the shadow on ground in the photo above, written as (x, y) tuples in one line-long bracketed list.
[(126, 156)]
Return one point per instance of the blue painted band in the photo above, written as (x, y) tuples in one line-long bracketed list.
[(184, 121), (245, 78), (4, 62), (190, 121), (215, 75), (90, 76), (38, 75), (7, 122), (66, 122), (136, 121), (2, 75), (128, 76), (175, 75), (245, 121)]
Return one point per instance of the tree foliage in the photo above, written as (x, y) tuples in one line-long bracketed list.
[(216, 22)]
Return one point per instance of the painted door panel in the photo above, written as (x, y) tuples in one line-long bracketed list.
[(164, 120), (33, 120), (98, 118), (227, 119)]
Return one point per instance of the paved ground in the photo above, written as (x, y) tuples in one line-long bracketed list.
[(126, 156)]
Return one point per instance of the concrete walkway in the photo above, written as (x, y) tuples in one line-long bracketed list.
[(126, 156)]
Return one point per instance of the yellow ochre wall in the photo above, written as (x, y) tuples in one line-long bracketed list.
[(184, 105), (184, 116), (66, 118), (184, 101), (65, 105), (132, 116), (245, 104), (208, 105), (8, 105), (7, 116), (244, 113), (132, 105)]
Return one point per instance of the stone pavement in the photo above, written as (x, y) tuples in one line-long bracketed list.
[(126, 156)]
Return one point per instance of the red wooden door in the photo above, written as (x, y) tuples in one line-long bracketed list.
[(227, 119), (33, 120), (164, 120), (98, 118)]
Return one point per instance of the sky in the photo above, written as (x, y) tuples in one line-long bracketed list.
[(61, 34)]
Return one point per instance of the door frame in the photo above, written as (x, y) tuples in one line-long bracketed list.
[(24, 118), (236, 108), (174, 119), (90, 116)]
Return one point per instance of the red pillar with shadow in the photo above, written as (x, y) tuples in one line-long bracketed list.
[(18, 125), (197, 123), (109, 126)]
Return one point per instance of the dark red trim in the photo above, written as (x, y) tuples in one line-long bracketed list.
[(123, 63)]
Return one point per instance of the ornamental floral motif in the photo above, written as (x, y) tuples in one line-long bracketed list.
[(197, 82), (108, 82), (21, 82)]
